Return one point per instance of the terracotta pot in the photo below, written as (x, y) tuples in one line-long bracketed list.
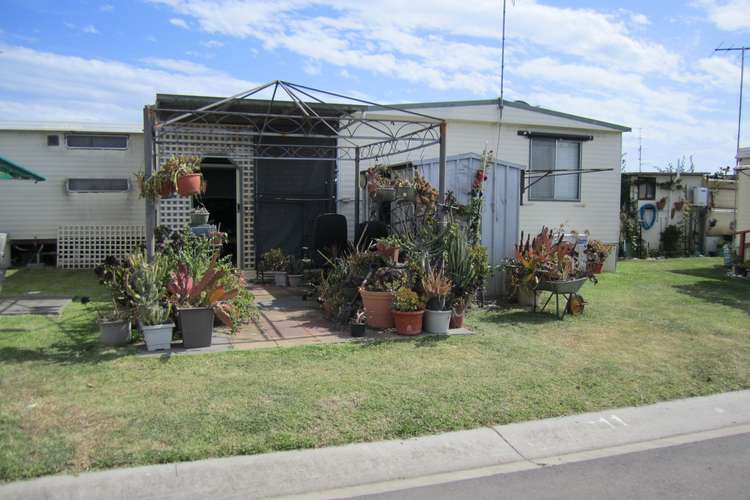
[(388, 252), (378, 307), (190, 184), (597, 268), (167, 190), (408, 323), (457, 320)]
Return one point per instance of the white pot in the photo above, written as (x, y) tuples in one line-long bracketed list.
[(436, 321), (279, 278), (114, 333), (158, 337)]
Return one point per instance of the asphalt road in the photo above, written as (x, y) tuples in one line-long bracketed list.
[(712, 469)]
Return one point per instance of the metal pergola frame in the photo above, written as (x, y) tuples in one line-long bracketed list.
[(358, 137)]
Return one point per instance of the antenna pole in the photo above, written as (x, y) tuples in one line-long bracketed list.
[(502, 66), (640, 150), (742, 51)]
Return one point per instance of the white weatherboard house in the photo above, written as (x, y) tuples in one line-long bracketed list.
[(743, 199), (536, 139), (89, 182), (89, 197)]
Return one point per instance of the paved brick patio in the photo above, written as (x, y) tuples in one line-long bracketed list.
[(285, 320)]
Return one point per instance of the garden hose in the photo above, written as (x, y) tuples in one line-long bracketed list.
[(647, 224)]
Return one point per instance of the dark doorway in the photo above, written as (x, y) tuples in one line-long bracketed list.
[(220, 198), (290, 194)]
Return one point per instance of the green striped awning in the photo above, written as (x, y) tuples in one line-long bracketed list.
[(14, 171)]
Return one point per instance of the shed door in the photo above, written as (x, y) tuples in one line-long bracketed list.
[(290, 195)]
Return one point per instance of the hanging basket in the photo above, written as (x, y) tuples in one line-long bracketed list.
[(167, 189), (190, 184), (385, 195)]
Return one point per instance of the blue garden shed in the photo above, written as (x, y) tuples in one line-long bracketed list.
[(502, 191)]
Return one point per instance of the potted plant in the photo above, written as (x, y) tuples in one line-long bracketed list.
[(199, 216), (389, 247), (114, 326), (146, 285), (199, 300), (158, 185), (295, 270), (184, 172), (458, 310), (377, 296), (156, 326), (596, 254), (275, 263), (437, 287), (358, 325), (408, 310)]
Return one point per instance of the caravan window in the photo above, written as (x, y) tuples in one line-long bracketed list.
[(88, 141), (98, 185), (548, 155)]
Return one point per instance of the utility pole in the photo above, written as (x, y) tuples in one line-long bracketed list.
[(742, 51)]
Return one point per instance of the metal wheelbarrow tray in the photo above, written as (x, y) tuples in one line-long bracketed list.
[(566, 288)]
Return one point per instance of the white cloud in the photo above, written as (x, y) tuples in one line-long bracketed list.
[(91, 29), (107, 8), (731, 15), (212, 44), (180, 23), (54, 86)]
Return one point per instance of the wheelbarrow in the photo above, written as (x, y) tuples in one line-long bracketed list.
[(567, 288)]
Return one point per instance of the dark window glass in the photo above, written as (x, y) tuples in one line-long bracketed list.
[(548, 155), (98, 185), (646, 188), (53, 140), (97, 141)]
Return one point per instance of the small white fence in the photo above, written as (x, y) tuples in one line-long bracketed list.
[(85, 247)]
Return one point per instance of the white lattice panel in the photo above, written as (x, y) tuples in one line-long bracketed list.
[(206, 141), (85, 247)]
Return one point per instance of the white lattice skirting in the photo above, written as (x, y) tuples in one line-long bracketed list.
[(85, 247)]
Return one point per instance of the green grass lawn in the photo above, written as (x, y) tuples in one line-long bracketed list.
[(652, 331)]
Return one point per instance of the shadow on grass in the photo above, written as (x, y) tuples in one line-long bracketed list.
[(520, 317), (78, 342), (713, 272), (716, 288)]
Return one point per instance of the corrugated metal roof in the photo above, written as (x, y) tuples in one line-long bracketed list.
[(49, 126), (665, 174), (511, 104)]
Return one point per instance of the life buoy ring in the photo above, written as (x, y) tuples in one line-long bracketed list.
[(644, 223)]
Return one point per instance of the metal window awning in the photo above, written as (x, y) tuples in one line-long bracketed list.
[(13, 171)]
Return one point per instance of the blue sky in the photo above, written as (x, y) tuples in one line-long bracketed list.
[(648, 65)]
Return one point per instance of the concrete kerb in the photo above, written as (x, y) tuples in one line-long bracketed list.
[(512, 447)]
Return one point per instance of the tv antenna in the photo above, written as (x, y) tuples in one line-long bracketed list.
[(742, 51)]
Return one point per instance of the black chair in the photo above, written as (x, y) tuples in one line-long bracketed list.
[(329, 238), (367, 232)]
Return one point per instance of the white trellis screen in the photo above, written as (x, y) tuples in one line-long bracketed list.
[(85, 247), (212, 141)]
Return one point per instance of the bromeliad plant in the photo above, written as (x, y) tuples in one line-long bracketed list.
[(547, 257), (215, 288)]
